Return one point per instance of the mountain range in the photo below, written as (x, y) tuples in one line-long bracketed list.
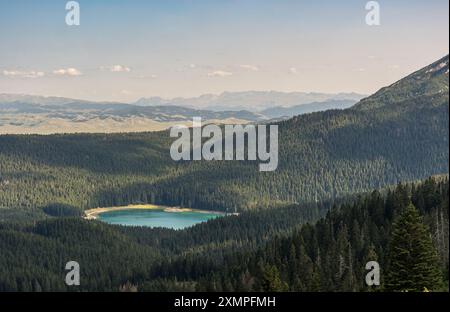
[(46, 115), (250, 100)]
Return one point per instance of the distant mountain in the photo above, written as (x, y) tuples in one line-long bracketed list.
[(89, 110), (288, 112), (45, 115), (36, 99), (250, 100), (21, 113)]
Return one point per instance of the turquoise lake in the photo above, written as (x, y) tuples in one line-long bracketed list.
[(156, 218)]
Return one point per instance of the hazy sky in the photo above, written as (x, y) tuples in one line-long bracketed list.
[(124, 50)]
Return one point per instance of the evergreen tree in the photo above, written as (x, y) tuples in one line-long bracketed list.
[(271, 280), (412, 256)]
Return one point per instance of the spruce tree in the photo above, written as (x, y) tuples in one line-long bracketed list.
[(413, 262), (271, 280)]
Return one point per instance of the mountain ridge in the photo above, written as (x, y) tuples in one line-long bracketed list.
[(427, 81), (250, 100), (46, 115)]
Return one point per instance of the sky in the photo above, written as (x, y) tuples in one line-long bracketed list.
[(125, 50)]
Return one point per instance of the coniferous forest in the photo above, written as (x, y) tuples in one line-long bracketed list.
[(271, 250), (368, 183)]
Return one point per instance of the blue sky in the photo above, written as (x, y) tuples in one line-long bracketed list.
[(124, 50)]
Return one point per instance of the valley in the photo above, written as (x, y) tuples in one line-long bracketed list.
[(345, 178), (253, 155)]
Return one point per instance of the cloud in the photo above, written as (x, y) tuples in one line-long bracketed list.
[(67, 72), (219, 73), (23, 74), (119, 69), (192, 66), (249, 67), (125, 92), (152, 76), (293, 70)]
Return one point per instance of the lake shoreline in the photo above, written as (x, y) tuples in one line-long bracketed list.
[(92, 214)]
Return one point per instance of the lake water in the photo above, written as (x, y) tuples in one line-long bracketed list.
[(156, 218)]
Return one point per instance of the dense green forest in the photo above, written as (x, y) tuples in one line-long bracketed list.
[(398, 134), (270, 250), (302, 227)]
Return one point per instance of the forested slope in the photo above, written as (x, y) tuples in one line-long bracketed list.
[(400, 133), (268, 250), (331, 255)]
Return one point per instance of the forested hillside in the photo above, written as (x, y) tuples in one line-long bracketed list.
[(401, 133), (270, 250), (331, 254), (318, 239)]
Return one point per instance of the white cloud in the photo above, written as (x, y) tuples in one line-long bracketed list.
[(67, 72), (192, 66), (219, 73), (23, 74), (119, 69), (125, 92), (249, 67), (395, 66), (293, 70)]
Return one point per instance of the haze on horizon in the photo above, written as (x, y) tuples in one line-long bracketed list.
[(182, 48)]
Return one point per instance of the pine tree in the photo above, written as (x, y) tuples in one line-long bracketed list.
[(413, 262), (271, 280)]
